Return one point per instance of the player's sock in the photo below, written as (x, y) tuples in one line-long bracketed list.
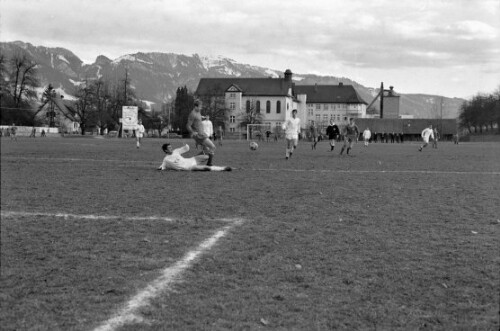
[(342, 151), (348, 149), (228, 169), (210, 157)]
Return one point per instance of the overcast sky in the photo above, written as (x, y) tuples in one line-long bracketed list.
[(444, 47)]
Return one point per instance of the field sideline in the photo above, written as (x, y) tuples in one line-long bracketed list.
[(94, 238)]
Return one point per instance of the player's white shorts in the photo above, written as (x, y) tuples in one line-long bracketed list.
[(426, 139), (292, 137), (139, 135)]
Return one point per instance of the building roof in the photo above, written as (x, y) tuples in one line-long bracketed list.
[(330, 93), (248, 86)]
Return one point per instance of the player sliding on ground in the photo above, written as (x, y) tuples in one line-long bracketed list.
[(175, 161)]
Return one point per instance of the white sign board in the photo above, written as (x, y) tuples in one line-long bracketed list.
[(129, 117)]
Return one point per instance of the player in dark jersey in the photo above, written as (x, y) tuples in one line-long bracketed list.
[(351, 132)]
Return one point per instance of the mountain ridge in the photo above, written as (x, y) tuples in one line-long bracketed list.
[(155, 76)]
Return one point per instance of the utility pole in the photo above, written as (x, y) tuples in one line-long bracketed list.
[(382, 100)]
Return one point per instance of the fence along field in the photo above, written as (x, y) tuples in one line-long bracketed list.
[(387, 238)]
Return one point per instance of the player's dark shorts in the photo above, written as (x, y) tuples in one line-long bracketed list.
[(200, 138), (350, 138)]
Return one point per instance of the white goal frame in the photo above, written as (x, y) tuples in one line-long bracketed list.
[(262, 128)]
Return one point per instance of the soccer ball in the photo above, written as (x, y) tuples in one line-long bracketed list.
[(253, 146)]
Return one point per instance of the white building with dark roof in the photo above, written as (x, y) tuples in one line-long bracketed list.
[(275, 98)]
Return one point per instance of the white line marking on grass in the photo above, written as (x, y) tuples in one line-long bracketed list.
[(169, 275), (96, 217), (88, 217), (436, 172), (384, 171)]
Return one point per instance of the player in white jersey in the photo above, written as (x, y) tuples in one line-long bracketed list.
[(366, 136), (427, 134), (292, 131), (208, 127), (175, 161), (139, 133)]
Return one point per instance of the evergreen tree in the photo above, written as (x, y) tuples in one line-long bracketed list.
[(184, 103)]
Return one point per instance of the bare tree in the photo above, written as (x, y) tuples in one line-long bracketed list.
[(84, 108), (23, 80), (3, 78), (214, 105)]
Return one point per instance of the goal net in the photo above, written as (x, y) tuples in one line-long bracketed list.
[(257, 131)]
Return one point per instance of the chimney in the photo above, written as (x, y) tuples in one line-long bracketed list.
[(341, 84)]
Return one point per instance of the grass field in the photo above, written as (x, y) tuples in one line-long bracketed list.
[(94, 238)]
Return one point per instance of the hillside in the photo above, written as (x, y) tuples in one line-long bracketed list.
[(156, 76)]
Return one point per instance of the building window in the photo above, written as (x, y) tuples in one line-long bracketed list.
[(248, 105), (268, 107), (310, 112), (325, 118), (257, 107), (232, 95), (318, 106), (232, 105), (232, 119), (278, 107), (232, 130), (318, 118), (287, 106)]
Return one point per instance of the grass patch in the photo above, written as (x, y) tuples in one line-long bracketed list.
[(388, 238)]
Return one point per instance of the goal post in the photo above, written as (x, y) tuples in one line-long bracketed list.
[(257, 131)]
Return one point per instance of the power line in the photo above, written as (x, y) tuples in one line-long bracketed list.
[(17, 108)]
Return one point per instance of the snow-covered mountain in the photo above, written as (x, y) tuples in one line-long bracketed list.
[(156, 76)]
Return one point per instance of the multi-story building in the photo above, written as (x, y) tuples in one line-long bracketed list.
[(275, 98), (332, 102)]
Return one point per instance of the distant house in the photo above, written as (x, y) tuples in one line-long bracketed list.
[(275, 98), (65, 118)]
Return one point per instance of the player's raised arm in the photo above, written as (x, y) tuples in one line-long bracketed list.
[(184, 149)]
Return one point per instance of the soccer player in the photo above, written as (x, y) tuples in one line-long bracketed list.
[(175, 161), (351, 132), (427, 134), (436, 138), (13, 131), (366, 136), (314, 135), (208, 127), (292, 131), (139, 133), (333, 133), (195, 128)]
